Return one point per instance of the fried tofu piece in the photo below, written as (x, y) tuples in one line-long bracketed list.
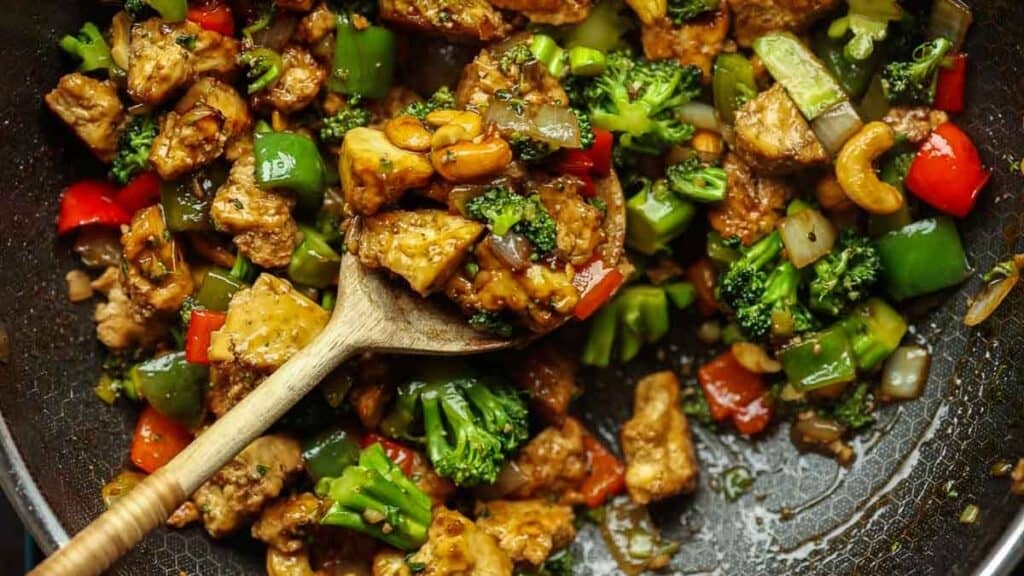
[(753, 204), (484, 77), (424, 247), (92, 109), (695, 43), (754, 18), (527, 530), (157, 276), (773, 137), (554, 464), (261, 220), (548, 376), (298, 85), (374, 172), (660, 459), (456, 547), (266, 325), (237, 492), (453, 19), (287, 523)]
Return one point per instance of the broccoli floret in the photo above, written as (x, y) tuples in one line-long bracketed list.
[(133, 149), (778, 309), (637, 98), (913, 82), (586, 128), (90, 47), (333, 128), (558, 564), (376, 498), (505, 211), (854, 408), (679, 11), (469, 428), (491, 323), (528, 149), (844, 276), (517, 55), (697, 181), (763, 294), (743, 282), (441, 100)]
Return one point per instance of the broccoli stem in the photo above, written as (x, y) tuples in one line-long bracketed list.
[(655, 216), (376, 498), (805, 78)]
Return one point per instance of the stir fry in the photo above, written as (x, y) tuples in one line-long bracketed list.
[(785, 176)]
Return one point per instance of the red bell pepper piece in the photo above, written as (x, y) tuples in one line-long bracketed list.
[(142, 191), (403, 456), (601, 152), (951, 86), (596, 283), (947, 172), (576, 162), (703, 276), (157, 440), (735, 393), (215, 16), (201, 325), (90, 202), (607, 474)]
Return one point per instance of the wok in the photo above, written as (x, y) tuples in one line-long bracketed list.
[(894, 511)]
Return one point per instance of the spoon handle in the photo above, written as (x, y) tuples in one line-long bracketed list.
[(148, 505)]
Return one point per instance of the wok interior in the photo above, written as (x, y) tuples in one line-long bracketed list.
[(892, 511)]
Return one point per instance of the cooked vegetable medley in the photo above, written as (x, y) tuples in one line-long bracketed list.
[(783, 174)]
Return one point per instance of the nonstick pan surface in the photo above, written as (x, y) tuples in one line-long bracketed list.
[(894, 511)]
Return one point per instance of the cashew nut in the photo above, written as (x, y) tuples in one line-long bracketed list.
[(857, 176), (408, 132), (281, 564), (447, 135), (471, 122), (466, 161), (830, 194)]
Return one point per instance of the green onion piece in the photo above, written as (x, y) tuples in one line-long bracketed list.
[(804, 77), (970, 514), (544, 48), (585, 61)]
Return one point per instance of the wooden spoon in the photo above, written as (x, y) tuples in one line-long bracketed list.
[(372, 313)]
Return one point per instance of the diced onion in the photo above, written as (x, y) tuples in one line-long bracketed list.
[(510, 479), (807, 235), (98, 247), (836, 126), (554, 125), (700, 115), (905, 374), (990, 297), (755, 359), (814, 431), (950, 19), (79, 286), (277, 34), (512, 249)]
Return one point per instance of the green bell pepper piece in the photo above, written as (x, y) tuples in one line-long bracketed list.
[(722, 251), (655, 216), (853, 75), (314, 263), (601, 339), (733, 85), (682, 294), (183, 211), (585, 61), (170, 10), (364, 60), (217, 289), (819, 360), (328, 453), (922, 257), (874, 330), (289, 160), (173, 386)]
